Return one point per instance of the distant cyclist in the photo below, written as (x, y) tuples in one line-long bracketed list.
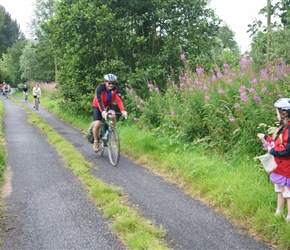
[(105, 96), (36, 92), (6, 88), (25, 90)]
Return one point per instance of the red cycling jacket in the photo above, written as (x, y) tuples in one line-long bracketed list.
[(103, 97), (281, 151)]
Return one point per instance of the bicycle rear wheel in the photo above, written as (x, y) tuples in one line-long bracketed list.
[(36, 103), (114, 147)]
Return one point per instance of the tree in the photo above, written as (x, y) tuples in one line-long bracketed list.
[(28, 63), (136, 40), (11, 62), (9, 31)]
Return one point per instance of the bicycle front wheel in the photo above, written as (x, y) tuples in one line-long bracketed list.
[(114, 147)]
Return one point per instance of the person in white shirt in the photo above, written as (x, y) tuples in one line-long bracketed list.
[(36, 92)]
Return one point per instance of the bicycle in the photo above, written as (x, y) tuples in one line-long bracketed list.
[(109, 138), (25, 96), (37, 103)]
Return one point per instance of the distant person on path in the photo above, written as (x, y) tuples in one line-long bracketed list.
[(36, 92), (6, 89), (281, 152), (25, 89), (106, 95)]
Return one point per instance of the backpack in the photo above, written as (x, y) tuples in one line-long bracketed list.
[(90, 135)]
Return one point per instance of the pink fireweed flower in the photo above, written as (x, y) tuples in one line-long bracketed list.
[(267, 144), (244, 96), (182, 57), (232, 119), (264, 74), (256, 98), (237, 106), (182, 85), (219, 75), (280, 96), (276, 79), (264, 90), (242, 89), (136, 119), (136, 97), (205, 87), (197, 81), (221, 91), (207, 98), (199, 71), (157, 89), (252, 90), (150, 85), (138, 106), (230, 80), (172, 113), (213, 78), (254, 81), (190, 89)]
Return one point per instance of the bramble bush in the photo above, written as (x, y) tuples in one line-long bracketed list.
[(220, 110)]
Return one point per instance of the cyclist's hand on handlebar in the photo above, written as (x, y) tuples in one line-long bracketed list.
[(104, 114), (124, 114)]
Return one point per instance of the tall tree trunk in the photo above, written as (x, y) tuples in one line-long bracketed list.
[(268, 29)]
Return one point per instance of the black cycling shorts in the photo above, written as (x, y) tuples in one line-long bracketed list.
[(97, 113)]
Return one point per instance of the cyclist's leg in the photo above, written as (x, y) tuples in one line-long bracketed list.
[(112, 111), (96, 128), (34, 98)]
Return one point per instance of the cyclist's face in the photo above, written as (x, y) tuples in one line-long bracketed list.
[(110, 85)]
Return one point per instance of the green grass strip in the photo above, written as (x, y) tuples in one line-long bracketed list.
[(131, 228)]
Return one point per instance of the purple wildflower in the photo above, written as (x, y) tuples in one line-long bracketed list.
[(221, 91), (199, 71), (207, 98), (237, 106), (182, 57), (232, 119), (256, 98), (244, 96), (252, 90)]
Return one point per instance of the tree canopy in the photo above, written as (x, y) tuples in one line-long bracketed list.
[(137, 40)]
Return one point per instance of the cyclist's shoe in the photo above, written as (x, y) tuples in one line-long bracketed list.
[(34, 107), (96, 147), (104, 142)]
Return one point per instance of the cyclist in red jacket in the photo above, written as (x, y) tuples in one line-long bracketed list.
[(105, 97)]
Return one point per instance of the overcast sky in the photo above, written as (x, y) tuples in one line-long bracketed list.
[(236, 13)]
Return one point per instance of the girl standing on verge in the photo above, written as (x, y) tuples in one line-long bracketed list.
[(281, 152)]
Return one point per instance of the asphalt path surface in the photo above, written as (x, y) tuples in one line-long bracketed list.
[(48, 209)]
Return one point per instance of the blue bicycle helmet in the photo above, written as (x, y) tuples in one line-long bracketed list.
[(110, 78)]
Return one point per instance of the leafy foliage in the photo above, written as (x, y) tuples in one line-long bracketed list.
[(222, 110), (137, 40)]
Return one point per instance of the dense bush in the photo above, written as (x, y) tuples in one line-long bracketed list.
[(221, 110)]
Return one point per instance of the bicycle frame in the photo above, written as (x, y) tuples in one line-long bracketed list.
[(112, 142), (37, 103)]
